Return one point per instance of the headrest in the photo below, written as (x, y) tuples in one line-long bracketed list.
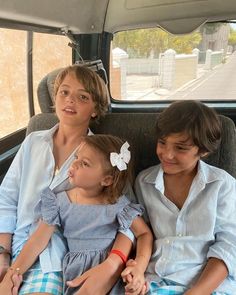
[(45, 87), (45, 92)]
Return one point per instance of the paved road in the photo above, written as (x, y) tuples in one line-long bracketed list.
[(219, 83)]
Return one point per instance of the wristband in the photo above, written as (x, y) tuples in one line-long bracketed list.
[(120, 254)]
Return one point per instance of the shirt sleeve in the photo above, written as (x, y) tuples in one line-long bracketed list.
[(9, 192), (128, 214), (129, 234), (224, 247), (48, 209), (139, 186)]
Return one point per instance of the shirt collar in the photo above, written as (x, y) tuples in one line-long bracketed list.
[(208, 173), (155, 177), (205, 174), (48, 136)]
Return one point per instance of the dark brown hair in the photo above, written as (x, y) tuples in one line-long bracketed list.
[(107, 144), (200, 122), (92, 83)]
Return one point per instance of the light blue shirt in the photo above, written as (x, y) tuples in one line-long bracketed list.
[(32, 170), (204, 227)]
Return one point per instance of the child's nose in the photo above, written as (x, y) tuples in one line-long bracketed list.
[(169, 153), (70, 98), (75, 164)]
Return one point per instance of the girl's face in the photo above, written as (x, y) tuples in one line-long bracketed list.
[(88, 169), (74, 105), (177, 154)]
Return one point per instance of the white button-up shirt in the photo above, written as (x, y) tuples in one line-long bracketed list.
[(31, 171), (204, 227)]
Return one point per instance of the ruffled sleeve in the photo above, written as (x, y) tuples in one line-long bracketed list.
[(48, 209), (128, 214)]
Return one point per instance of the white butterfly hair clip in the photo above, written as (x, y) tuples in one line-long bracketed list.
[(122, 159)]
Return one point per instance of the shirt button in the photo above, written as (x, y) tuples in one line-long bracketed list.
[(179, 235), (167, 241)]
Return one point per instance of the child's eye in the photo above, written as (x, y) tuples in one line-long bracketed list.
[(181, 148), (161, 141), (83, 97), (85, 164), (63, 92)]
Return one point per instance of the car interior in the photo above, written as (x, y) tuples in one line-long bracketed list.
[(90, 26), (131, 127)]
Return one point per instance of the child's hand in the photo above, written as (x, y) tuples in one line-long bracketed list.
[(11, 283), (6, 287), (134, 278), (97, 280), (17, 280)]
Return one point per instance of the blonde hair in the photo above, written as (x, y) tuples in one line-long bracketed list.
[(92, 83), (106, 144)]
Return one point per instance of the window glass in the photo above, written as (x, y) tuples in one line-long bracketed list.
[(13, 81), (151, 64), (50, 52)]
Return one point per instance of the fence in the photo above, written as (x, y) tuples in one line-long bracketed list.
[(173, 70)]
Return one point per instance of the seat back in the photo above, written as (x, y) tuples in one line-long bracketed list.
[(139, 130)]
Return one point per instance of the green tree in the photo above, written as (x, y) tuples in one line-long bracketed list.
[(144, 43), (232, 38)]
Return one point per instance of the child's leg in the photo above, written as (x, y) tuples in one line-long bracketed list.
[(36, 282)]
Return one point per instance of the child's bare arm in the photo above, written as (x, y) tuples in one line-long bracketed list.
[(134, 273), (34, 246), (30, 252), (212, 276)]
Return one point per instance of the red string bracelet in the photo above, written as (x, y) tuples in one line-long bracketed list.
[(120, 254)]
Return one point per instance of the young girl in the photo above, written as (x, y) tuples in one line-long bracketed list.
[(90, 214), (190, 205), (43, 161)]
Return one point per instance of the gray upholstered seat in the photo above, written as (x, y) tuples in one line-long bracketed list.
[(45, 92), (139, 130)]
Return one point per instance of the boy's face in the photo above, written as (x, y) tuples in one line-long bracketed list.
[(74, 105), (177, 154)]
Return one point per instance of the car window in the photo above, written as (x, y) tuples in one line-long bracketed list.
[(13, 81), (49, 52), (152, 64)]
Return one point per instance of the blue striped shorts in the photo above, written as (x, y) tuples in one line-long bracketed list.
[(35, 281), (167, 287)]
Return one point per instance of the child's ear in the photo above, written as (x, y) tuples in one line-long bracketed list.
[(107, 180)]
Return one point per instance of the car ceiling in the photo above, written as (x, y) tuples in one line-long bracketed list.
[(96, 16)]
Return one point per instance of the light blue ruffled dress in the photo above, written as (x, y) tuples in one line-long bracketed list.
[(90, 231)]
